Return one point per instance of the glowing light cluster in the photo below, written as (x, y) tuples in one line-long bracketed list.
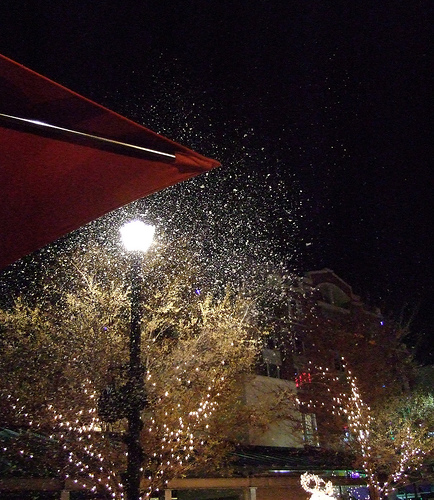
[(319, 489), (360, 421), (180, 444), (80, 437)]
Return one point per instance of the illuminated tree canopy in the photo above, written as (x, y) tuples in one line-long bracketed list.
[(360, 381), (66, 344)]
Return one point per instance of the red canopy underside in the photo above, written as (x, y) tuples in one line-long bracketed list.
[(50, 184)]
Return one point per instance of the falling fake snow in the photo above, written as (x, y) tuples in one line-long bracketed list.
[(242, 219)]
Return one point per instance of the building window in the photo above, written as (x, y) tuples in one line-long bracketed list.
[(339, 363), (297, 345), (347, 435), (273, 361), (310, 429), (334, 295), (294, 309)]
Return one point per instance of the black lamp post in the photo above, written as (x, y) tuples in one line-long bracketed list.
[(137, 238)]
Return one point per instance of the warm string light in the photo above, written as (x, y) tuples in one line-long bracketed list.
[(105, 476), (182, 438), (74, 431), (358, 417), (178, 445), (360, 421), (408, 455)]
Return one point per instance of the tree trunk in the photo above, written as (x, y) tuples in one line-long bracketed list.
[(374, 494)]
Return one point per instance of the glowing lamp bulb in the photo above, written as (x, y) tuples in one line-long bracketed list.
[(137, 236)]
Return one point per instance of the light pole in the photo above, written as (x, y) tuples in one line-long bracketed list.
[(137, 238)]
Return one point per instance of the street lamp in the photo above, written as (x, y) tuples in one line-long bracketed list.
[(137, 238)]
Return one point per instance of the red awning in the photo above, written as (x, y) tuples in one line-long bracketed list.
[(65, 161)]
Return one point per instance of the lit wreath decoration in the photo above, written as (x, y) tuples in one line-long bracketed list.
[(320, 489)]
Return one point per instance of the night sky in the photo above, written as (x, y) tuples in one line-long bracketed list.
[(318, 112)]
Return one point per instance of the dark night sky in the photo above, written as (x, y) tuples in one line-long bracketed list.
[(336, 94)]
